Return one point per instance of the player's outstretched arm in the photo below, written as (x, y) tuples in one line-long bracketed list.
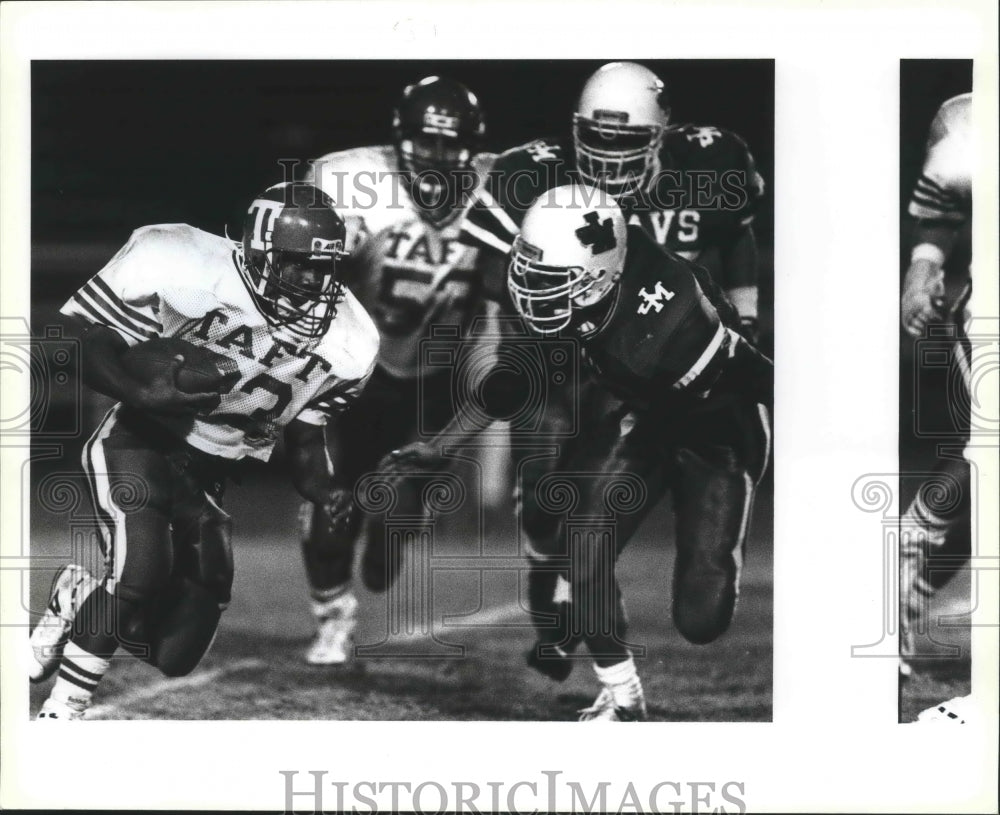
[(102, 370), (740, 260)]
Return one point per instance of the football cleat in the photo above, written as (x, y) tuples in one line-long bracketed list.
[(71, 710), (604, 709), (334, 640), (70, 587), (954, 711)]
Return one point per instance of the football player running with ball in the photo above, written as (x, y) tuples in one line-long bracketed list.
[(941, 205), (291, 346), (404, 205), (654, 330)]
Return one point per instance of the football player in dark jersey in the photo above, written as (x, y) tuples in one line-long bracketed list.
[(656, 332), (693, 189)]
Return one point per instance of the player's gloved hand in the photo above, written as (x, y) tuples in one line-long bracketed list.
[(339, 508), (413, 458), (923, 298), (750, 329), (160, 394)]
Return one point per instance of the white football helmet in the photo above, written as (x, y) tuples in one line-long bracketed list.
[(618, 127), (569, 254)]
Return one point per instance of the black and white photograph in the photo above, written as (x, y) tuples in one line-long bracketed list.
[(937, 391), (393, 394), (504, 456)]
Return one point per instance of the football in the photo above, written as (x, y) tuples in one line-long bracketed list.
[(201, 371)]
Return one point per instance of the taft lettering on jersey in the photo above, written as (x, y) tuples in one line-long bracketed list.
[(186, 283), (407, 273), (241, 340)]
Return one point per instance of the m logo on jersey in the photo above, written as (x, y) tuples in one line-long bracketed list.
[(598, 235), (541, 151), (654, 299), (704, 135)]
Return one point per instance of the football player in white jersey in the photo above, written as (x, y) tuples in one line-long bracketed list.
[(404, 205), (941, 205), (300, 348)]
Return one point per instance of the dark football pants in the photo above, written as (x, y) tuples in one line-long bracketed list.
[(615, 474), (166, 542), (385, 417)]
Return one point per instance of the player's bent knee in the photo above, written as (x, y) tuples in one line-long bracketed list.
[(189, 617), (702, 618)]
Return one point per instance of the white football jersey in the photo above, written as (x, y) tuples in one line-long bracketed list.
[(172, 280), (944, 189), (408, 273)]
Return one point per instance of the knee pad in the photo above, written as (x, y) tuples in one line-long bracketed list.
[(712, 504), (208, 559), (187, 617), (702, 613)]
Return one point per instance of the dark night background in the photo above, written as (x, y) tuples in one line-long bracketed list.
[(120, 144), (116, 145)]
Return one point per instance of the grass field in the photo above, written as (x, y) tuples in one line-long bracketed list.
[(937, 676), (255, 668)]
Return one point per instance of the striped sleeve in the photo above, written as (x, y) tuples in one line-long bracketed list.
[(333, 400), (120, 297), (488, 225), (933, 200), (942, 192)]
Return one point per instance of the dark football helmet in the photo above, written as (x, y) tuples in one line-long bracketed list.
[(438, 127), (292, 240)]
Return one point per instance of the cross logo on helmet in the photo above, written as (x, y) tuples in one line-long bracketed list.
[(598, 235)]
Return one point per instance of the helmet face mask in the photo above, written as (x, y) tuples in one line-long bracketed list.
[(568, 256), (618, 158), (292, 241), (438, 127), (618, 127)]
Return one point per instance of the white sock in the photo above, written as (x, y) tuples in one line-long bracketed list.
[(336, 602), (920, 523), (79, 674), (622, 680)]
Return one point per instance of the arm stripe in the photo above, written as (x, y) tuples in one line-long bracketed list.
[(702, 362), (125, 308), (498, 212), (482, 236), (99, 301), (91, 312)]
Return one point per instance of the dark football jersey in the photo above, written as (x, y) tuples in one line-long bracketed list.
[(663, 336), (704, 192)]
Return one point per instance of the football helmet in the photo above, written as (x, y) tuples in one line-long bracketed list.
[(438, 127), (292, 240), (618, 127), (568, 255)]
